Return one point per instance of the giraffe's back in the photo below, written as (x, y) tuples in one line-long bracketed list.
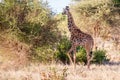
[(80, 39)]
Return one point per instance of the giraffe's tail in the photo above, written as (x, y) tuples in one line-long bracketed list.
[(91, 53)]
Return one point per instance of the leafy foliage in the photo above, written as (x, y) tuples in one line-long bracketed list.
[(33, 23), (81, 55), (62, 48), (99, 57), (43, 54), (30, 22), (91, 11)]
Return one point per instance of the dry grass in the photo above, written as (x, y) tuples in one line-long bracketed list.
[(10, 69), (62, 72)]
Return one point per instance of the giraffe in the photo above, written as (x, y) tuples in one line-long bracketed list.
[(78, 38)]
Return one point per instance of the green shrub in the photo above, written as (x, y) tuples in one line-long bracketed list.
[(81, 55), (42, 54), (62, 48), (99, 56)]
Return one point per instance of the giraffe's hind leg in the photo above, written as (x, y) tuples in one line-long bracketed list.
[(89, 58), (88, 51), (88, 61)]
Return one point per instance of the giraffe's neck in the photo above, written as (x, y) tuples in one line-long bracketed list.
[(71, 24)]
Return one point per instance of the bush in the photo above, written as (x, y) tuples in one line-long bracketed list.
[(63, 46), (42, 54), (99, 56), (81, 55)]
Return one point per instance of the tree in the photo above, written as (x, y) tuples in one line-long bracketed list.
[(91, 11), (29, 20)]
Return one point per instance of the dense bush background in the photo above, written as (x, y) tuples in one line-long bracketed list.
[(33, 23)]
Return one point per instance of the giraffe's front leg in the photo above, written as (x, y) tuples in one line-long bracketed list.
[(74, 57), (68, 54)]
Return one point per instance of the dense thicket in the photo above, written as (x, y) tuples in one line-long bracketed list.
[(32, 22), (28, 20), (100, 18), (104, 15)]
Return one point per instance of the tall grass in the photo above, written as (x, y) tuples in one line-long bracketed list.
[(62, 72)]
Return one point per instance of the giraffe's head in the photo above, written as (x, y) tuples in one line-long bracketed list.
[(65, 10)]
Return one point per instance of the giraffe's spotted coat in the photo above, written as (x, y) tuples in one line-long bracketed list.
[(78, 38)]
